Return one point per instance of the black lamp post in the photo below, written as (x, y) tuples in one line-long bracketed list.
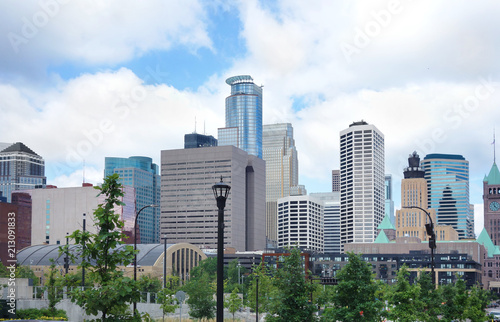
[(256, 298), (164, 261), (221, 191), (429, 228), (135, 247), (83, 268)]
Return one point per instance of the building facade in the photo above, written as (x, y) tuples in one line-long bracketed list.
[(389, 202), (331, 220), (20, 169), (243, 116), (188, 207), (143, 175), (56, 212), (410, 222), (335, 180), (300, 223), (195, 140), (447, 178), (282, 171), (362, 200)]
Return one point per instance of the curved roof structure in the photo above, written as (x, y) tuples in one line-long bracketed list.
[(239, 79), (40, 255)]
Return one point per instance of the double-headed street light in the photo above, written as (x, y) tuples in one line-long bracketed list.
[(429, 228), (221, 191), (135, 247)]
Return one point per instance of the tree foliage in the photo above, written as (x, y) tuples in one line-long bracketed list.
[(291, 301), (113, 292), (233, 302), (262, 276), (404, 299), (354, 296), (201, 297)]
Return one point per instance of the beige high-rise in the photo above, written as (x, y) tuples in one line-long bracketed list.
[(410, 222)]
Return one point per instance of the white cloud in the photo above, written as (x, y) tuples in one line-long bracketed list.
[(53, 32)]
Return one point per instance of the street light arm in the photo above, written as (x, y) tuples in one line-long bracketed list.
[(426, 212)]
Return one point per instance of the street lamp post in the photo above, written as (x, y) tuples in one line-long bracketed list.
[(256, 298), (164, 261), (135, 247), (221, 191), (429, 228), (83, 268)]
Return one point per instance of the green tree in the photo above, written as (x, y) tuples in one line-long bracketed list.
[(291, 299), (454, 297), (167, 300), (27, 272), (476, 304), (201, 297), (266, 288), (430, 298), (404, 299), (101, 258), (54, 293), (354, 296), (233, 302), (234, 271)]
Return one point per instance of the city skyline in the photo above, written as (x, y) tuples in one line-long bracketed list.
[(81, 81)]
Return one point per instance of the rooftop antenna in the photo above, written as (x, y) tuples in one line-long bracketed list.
[(83, 170), (195, 124), (204, 133)]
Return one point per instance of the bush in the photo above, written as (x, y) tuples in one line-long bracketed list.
[(31, 314)]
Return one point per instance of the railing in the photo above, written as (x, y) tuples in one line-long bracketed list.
[(41, 293)]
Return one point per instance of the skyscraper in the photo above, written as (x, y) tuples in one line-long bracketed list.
[(362, 197), (389, 203), (491, 199), (447, 178), (335, 180), (331, 220), (20, 169), (188, 207), (195, 140), (300, 223), (411, 221), (143, 175), (282, 170), (243, 116)]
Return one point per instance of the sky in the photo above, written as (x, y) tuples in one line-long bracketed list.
[(82, 80)]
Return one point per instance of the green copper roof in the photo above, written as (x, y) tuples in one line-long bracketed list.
[(382, 238), (494, 175), (485, 240), (386, 224)]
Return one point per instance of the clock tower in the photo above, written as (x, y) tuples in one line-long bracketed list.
[(491, 198)]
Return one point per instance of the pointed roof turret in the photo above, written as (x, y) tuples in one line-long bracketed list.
[(485, 240), (494, 176), (386, 224), (382, 238)]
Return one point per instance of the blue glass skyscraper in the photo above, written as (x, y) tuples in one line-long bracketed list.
[(447, 178), (143, 175), (243, 116)]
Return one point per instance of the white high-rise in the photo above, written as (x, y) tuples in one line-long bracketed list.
[(362, 180), (282, 170)]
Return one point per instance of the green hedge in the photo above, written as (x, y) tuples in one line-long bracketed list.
[(31, 314)]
